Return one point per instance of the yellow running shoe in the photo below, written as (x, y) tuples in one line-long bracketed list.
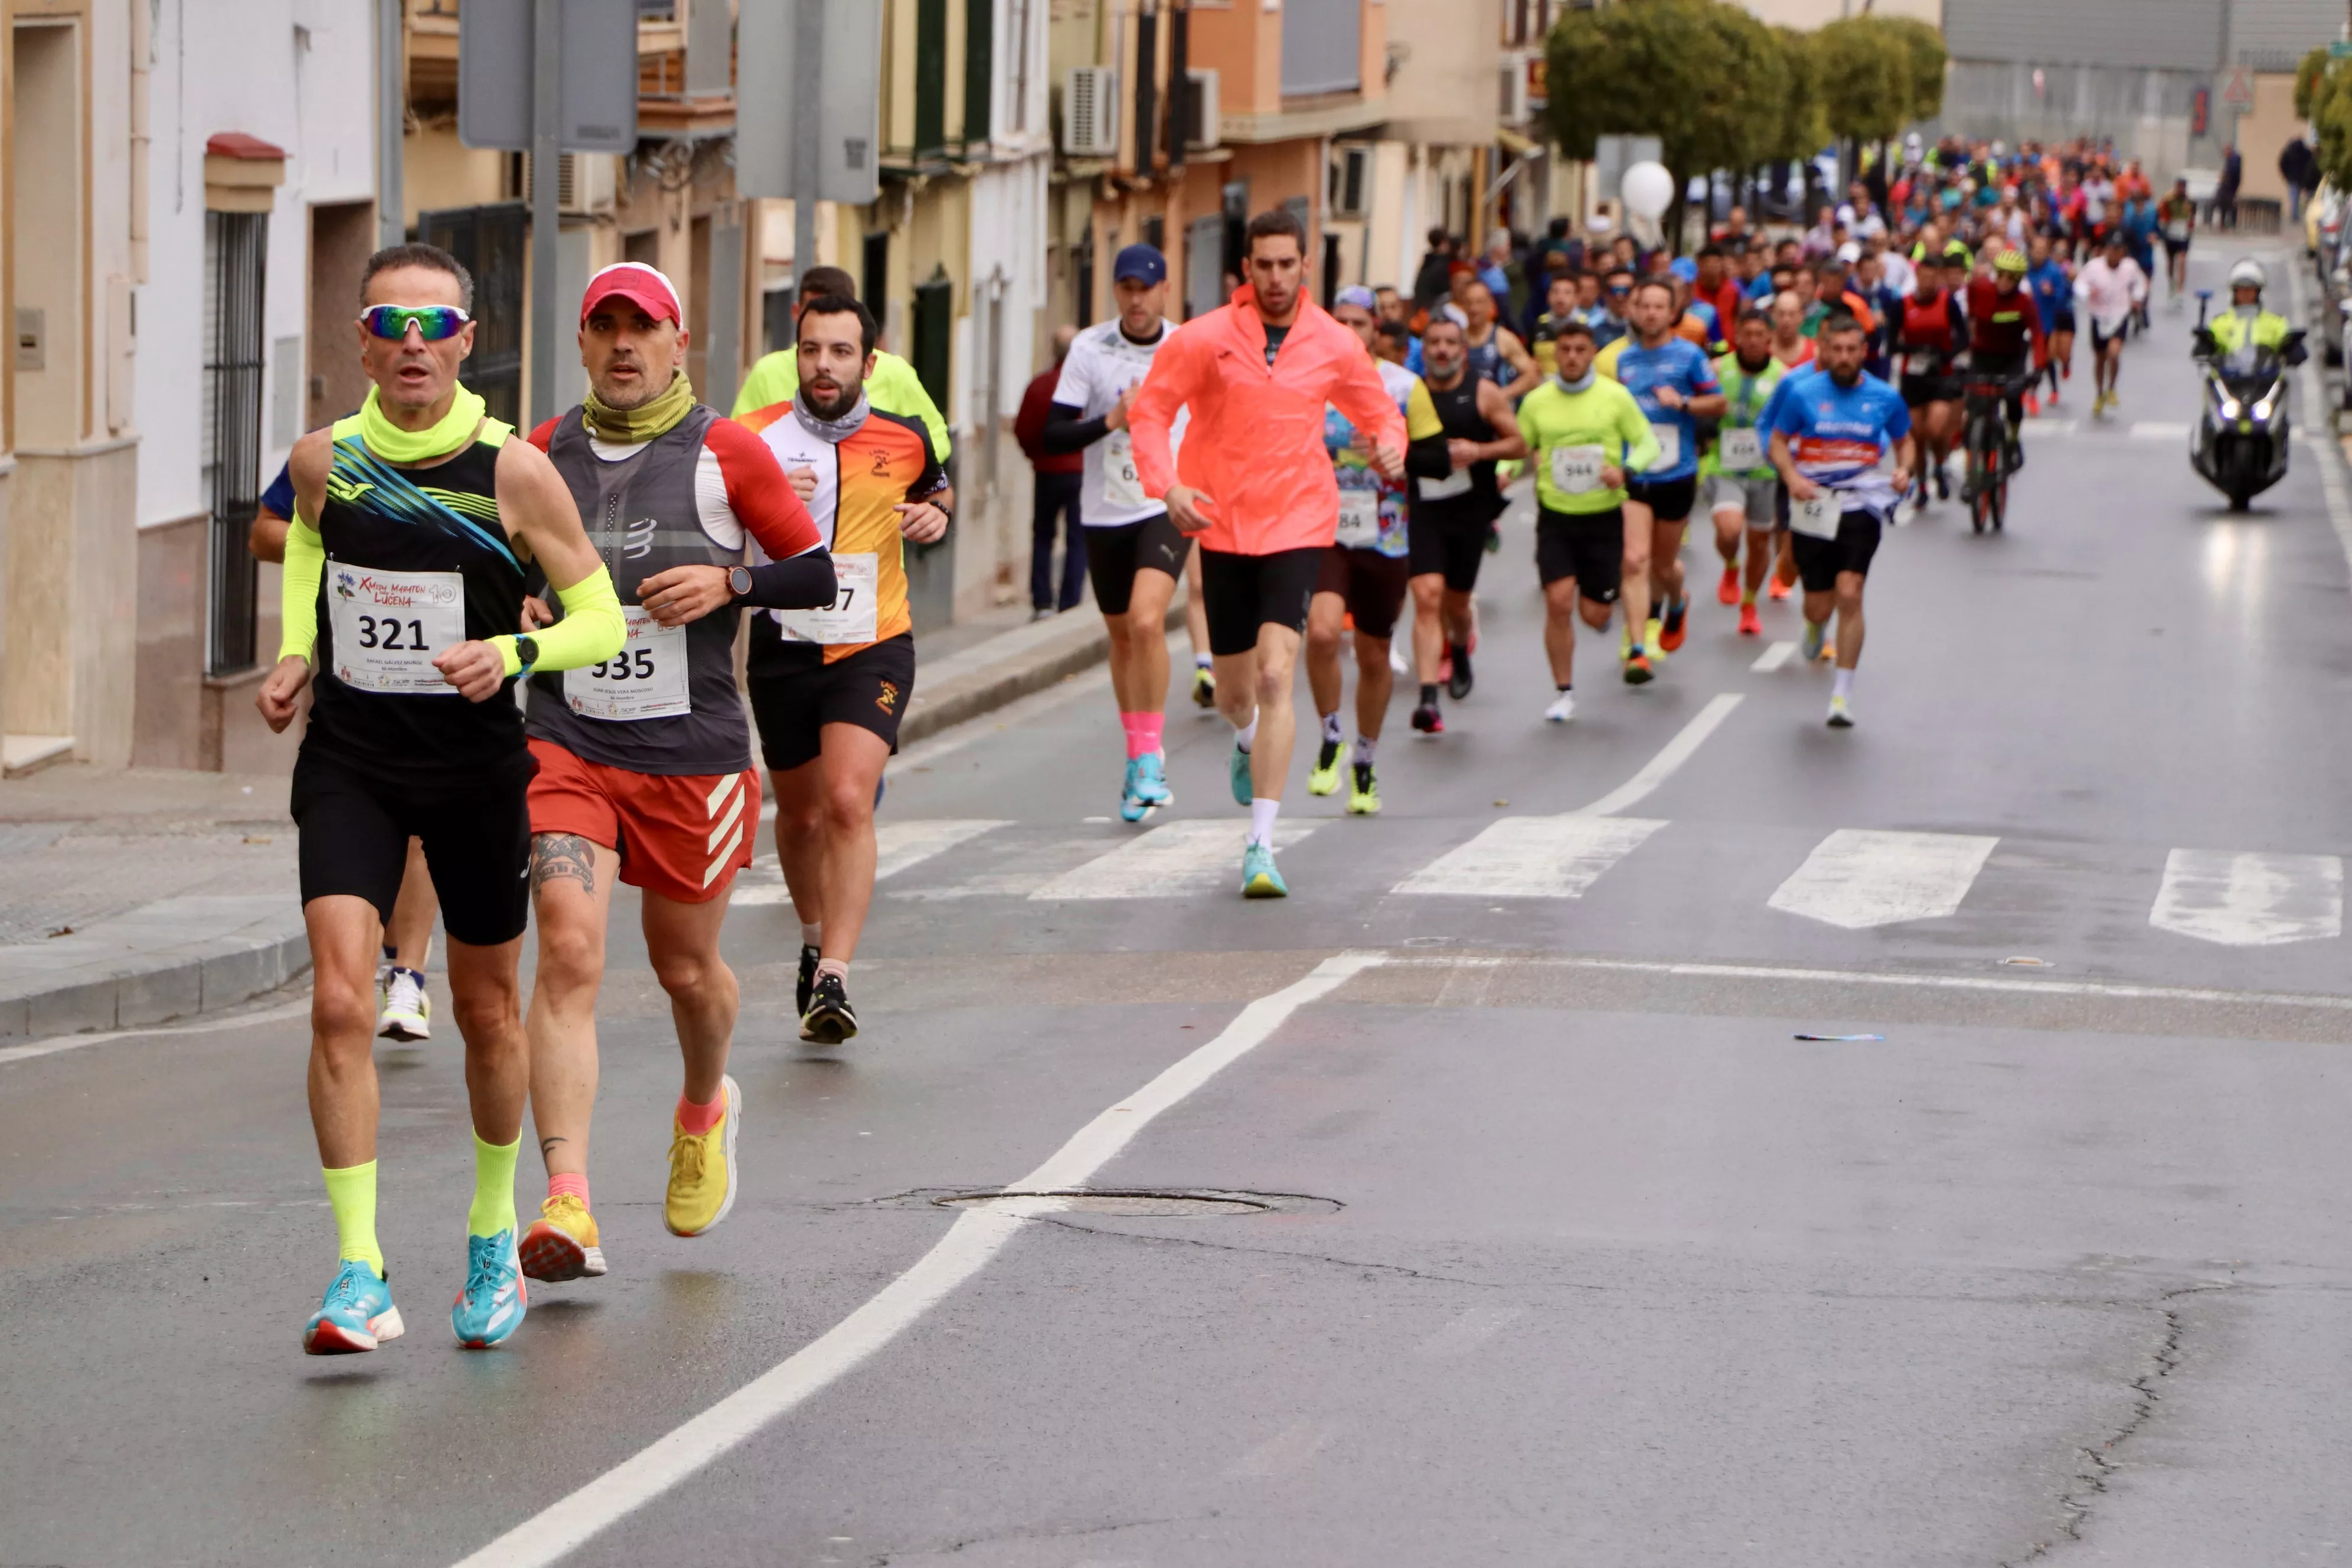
[(1652, 643), (1324, 777), (561, 1243), (702, 1170)]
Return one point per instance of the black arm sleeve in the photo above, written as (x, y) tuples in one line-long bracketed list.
[(1065, 432), (1428, 458), (804, 583)]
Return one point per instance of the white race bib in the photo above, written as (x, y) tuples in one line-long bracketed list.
[(2176, 232), (1122, 490), (1360, 519), (1456, 483), (1741, 448), (646, 680), (1917, 364), (851, 618), (1670, 446), (388, 626), (1815, 519), (1576, 470)]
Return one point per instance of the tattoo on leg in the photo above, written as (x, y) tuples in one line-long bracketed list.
[(558, 855), (546, 1145)]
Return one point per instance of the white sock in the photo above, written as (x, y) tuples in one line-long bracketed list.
[(1331, 730), (1261, 814), (1364, 745), (1245, 736), (1201, 661), (811, 935), (1843, 686)]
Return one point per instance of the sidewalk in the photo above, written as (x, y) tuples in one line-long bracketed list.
[(132, 897)]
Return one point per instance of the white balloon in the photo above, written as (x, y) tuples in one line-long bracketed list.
[(1647, 188)]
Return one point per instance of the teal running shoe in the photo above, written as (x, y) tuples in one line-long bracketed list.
[(1816, 635), (1243, 794), (1153, 779), (357, 1315), (491, 1305), (1147, 788), (1259, 879)]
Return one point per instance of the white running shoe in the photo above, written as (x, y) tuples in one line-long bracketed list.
[(407, 1011), (1562, 709), (1841, 714)]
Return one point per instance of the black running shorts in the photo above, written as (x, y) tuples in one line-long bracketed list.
[(1589, 546), (1117, 552), (353, 821), (1819, 561), (1669, 501), (1242, 593), (795, 694), (1918, 391), (1373, 586), (1448, 538)]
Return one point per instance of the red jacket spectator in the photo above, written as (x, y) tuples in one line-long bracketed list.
[(1029, 428)]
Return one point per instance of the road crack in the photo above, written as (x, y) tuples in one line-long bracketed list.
[(1027, 1532)]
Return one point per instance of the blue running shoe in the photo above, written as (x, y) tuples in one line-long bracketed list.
[(1146, 791), (1151, 779), (1259, 879), (1243, 794), (1816, 635), (357, 1315), (491, 1305)]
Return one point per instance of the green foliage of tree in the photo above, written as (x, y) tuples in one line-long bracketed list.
[(1865, 78), (1925, 47), (2330, 112), (2307, 77), (1799, 123)]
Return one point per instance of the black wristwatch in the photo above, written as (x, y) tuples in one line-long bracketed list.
[(527, 650), (739, 581)]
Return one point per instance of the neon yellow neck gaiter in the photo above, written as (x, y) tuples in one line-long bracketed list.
[(395, 445), (647, 420)]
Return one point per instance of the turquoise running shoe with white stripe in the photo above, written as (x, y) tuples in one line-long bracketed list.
[(357, 1314), (1259, 879), (1242, 793), (491, 1305), (1147, 788)]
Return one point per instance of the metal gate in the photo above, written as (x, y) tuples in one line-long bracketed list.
[(490, 242), (235, 245)]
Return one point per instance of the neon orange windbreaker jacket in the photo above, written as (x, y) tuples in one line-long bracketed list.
[(1254, 448)]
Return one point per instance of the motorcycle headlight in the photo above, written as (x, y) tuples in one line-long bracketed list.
[(2268, 401), (2229, 408)]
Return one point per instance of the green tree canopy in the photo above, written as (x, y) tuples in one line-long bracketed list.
[(1926, 47), (1701, 76), (2307, 77), (1865, 69)]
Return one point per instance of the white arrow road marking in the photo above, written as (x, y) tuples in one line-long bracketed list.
[(1532, 857), (897, 845), (2250, 901), (1198, 856), (1859, 877)]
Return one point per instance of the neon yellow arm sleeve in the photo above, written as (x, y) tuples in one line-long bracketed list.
[(297, 595), (591, 630), (1641, 447)]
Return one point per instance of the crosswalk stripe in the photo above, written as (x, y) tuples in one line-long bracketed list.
[(1773, 657), (898, 845), (2160, 430), (1176, 858), (1858, 877), (1532, 857), (2250, 900)]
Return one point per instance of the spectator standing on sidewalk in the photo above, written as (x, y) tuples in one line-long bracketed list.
[(1059, 475), (2225, 193)]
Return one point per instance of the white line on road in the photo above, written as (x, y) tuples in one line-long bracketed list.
[(1467, 1332), (977, 1236), (284, 1010), (1860, 876), (1284, 1452), (1195, 857), (897, 845), (2160, 430), (1773, 657), (1532, 857), (2248, 899), (1661, 768)]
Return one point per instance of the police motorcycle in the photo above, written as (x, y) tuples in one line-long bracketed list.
[(2240, 441)]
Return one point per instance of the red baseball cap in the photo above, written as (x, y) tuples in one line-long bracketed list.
[(641, 285)]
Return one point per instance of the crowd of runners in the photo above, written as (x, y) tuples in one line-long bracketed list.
[(519, 648)]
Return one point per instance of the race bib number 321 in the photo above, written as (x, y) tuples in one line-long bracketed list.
[(387, 626)]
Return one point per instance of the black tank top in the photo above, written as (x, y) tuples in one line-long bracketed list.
[(1458, 411), (417, 560)]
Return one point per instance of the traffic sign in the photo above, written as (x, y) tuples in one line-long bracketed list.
[(599, 71), (2341, 49), (2238, 89), (773, 105)]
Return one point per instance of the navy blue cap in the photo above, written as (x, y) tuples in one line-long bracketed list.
[(1141, 262)]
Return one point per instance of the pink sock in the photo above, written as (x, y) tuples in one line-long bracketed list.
[(1137, 742), (568, 1182), (1147, 727), (699, 1119)]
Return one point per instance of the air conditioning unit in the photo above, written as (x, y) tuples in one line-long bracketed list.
[(1201, 120), (1512, 104), (584, 181), (1351, 181), (1090, 112)]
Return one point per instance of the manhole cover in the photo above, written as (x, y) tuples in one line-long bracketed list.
[(1130, 1206)]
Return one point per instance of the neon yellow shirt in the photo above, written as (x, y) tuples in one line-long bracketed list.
[(1557, 424), (893, 388)]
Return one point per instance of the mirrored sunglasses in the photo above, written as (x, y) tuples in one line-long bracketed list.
[(433, 322)]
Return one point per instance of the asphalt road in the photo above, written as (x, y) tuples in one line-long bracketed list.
[(1570, 1250)]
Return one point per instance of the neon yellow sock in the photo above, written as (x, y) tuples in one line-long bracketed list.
[(352, 1192), (494, 1169)]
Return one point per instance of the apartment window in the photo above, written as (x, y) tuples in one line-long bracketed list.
[(235, 254), (931, 77), (1320, 45), (489, 243), (1018, 41), (934, 313), (979, 67)]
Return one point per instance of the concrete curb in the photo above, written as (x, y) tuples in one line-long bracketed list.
[(979, 681), (171, 959)]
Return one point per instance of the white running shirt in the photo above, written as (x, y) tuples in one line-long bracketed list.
[(1102, 364), (2108, 293)]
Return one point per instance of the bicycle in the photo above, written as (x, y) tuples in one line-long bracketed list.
[(1985, 432)]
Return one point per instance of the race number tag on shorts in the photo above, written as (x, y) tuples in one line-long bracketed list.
[(1670, 444), (851, 619), (1456, 483), (1360, 519), (1576, 470), (2176, 232), (1742, 447), (646, 680), (1122, 489), (388, 626), (1815, 519), (1918, 364)]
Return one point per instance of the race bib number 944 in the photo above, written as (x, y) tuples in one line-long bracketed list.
[(1576, 470), (387, 626)]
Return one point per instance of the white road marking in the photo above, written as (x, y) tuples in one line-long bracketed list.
[(1196, 856), (1532, 857), (1467, 1332), (1773, 657), (1860, 876), (206, 1027), (1284, 1452), (2160, 430), (898, 845), (975, 1237), (2250, 901), (1660, 768), (2039, 426)]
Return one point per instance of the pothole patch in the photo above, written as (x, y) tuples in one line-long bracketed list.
[(1123, 1203)]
